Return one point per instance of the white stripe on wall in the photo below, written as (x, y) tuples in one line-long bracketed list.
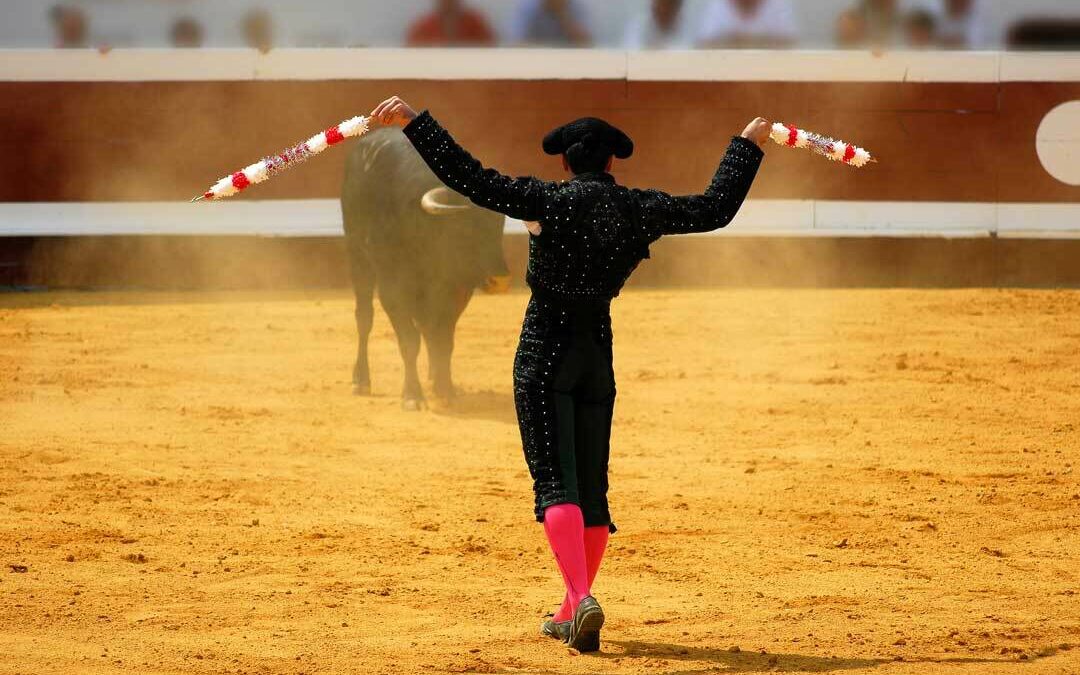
[(138, 65), (764, 217)]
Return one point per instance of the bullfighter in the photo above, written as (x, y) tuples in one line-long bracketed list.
[(587, 235)]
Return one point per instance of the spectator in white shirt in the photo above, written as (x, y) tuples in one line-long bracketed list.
[(748, 23), (662, 27), (961, 25)]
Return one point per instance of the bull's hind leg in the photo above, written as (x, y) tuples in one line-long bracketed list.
[(363, 274), (439, 337), (399, 309), (441, 317), (412, 394)]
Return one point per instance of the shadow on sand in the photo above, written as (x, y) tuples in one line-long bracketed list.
[(735, 662), (493, 406), (756, 662)]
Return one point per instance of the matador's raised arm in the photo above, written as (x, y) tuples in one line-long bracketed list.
[(521, 198), (662, 213)]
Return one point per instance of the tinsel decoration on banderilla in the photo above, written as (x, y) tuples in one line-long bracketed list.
[(261, 171), (837, 151), (269, 167)]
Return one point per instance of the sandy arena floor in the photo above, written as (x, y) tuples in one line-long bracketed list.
[(805, 481)]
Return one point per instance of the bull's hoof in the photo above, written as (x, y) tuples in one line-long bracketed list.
[(413, 404), (361, 389)]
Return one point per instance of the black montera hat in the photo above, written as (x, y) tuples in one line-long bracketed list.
[(590, 131)]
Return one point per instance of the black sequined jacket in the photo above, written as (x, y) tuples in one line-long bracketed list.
[(594, 232)]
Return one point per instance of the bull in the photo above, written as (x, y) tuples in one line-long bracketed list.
[(424, 248)]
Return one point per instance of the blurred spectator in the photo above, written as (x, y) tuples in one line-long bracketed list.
[(882, 22), (851, 29), (870, 23), (748, 23), (451, 23), (920, 30), (258, 28), (662, 27), (70, 26), (186, 33), (552, 23), (962, 24)]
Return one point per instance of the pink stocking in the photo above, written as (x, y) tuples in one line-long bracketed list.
[(595, 540), (565, 529)]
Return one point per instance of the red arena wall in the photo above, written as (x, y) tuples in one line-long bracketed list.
[(160, 141)]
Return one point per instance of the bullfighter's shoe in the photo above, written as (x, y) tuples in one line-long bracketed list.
[(585, 626), (560, 630)]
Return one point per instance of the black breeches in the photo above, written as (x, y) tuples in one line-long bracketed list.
[(564, 390)]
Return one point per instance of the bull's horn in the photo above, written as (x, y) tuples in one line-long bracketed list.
[(435, 202)]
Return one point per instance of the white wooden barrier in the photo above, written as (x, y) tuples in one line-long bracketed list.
[(322, 218)]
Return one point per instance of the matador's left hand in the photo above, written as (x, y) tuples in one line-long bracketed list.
[(758, 131), (393, 111)]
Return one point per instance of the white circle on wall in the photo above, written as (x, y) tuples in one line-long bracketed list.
[(1058, 142)]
